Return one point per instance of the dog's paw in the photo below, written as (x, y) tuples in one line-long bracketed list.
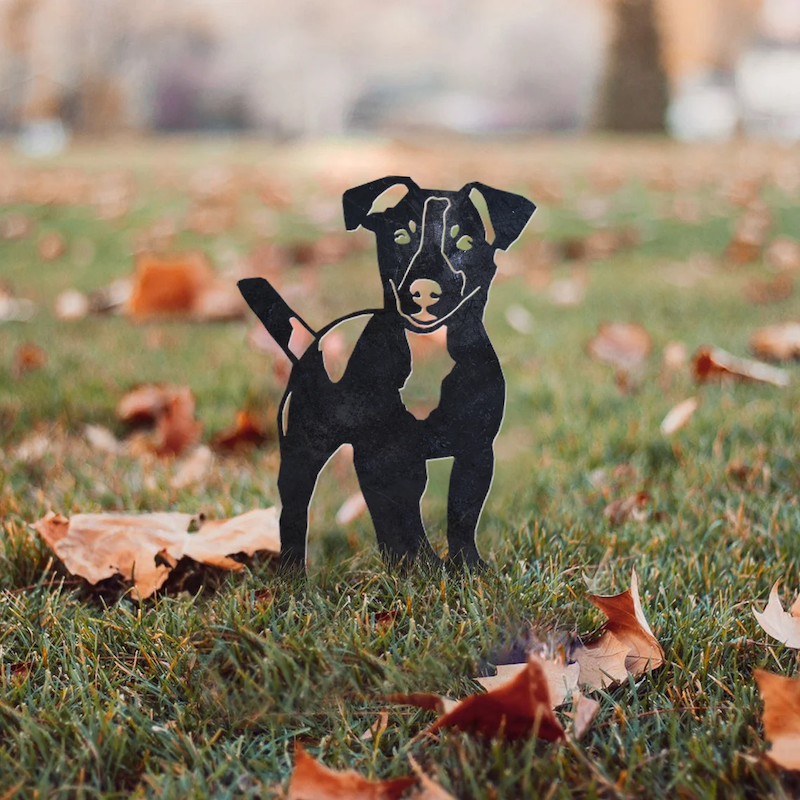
[(463, 561)]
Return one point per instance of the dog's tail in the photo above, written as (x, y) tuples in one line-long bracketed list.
[(277, 317)]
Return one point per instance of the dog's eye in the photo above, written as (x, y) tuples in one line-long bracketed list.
[(464, 243), (402, 236)]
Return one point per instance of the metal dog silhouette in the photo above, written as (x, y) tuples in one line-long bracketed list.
[(436, 263)]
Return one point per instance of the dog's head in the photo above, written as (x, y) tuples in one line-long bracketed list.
[(436, 249)]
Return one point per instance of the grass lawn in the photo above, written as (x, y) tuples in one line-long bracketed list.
[(203, 691)]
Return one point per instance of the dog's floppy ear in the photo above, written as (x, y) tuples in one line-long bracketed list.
[(357, 202), (509, 213)]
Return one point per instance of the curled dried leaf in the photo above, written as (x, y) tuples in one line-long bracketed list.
[(712, 363), (777, 342), (781, 625), (626, 621), (679, 416)]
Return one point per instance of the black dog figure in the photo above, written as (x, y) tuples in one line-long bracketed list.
[(436, 261)]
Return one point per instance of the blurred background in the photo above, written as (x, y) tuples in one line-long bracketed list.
[(153, 153), (704, 69)]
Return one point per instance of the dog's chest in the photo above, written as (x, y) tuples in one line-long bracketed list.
[(430, 365)]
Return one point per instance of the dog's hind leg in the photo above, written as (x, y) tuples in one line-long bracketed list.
[(470, 481), (297, 479)]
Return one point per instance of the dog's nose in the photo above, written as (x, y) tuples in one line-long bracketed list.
[(425, 293)]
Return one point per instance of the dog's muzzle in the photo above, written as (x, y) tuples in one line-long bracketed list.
[(431, 289)]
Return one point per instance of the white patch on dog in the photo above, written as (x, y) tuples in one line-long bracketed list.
[(285, 414), (430, 365), (338, 343)]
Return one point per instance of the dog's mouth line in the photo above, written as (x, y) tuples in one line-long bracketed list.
[(436, 321)]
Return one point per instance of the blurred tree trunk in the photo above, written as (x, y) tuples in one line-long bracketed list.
[(634, 94)]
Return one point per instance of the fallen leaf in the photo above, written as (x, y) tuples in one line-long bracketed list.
[(311, 780), (28, 357), (781, 625), (51, 246), (750, 234), (584, 710), (144, 548), (102, 439), (351, 509), (193, 469), (602, 662), (626, 621), (562, 679), (625, 345), (247, 432), (762, 292), (567, 291), (15, 226), (430, 790), (713, 363), (777, 342), (518, 708), (519, 318), (674, 356), (679, 415), (14, 309), (633, 507), (171, 410), (377, 727), (182, 285), (781, 717), (71, 305), (783, 253)]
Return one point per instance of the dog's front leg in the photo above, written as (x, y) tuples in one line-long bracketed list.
[(470, 481)]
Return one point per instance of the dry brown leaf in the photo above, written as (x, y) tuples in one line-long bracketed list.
[(144, 548), (584, 710), (624, 344), (623, 509), (781, 625), (777, 342), (377, 728), (602, 662), (193, 469), (517, 709), (750, 234), (627, 622), (351, 509), (16, 226), (168, 284), (781, 717), (28, 357), (247, 432), (51, 246), (762, 292), (311, 780), (429, 790), (679, 415), (562, 679), (171, 408), (712, 363)]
